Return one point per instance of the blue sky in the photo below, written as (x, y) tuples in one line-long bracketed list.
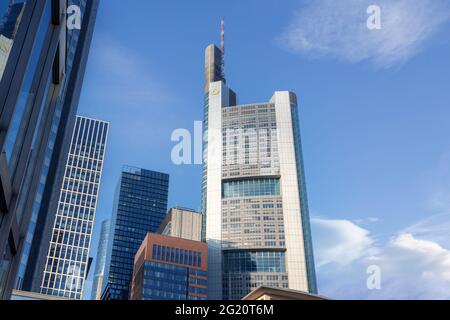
[(374, 112)]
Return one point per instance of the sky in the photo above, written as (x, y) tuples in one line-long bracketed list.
[(374, 114)]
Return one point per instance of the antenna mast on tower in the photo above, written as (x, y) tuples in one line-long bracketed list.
[(222, 46)]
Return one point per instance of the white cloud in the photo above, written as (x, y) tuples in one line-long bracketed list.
[(339, 29), (435, 228), (341, 242), (412, 267), (366, 221)]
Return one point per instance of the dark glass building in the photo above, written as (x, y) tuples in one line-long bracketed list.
[(43, 64), (140, 207), (169, 268)]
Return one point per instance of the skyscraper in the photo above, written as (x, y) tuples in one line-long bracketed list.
[(140, 207), (254, 192), (67, 256), (102, 250), (169, 268), (39, 94)]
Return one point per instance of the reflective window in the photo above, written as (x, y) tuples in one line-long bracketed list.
[(26, 96), (74, 238), (254, 261), (11, 16), (251, 188), (159, 281), (141, 207)]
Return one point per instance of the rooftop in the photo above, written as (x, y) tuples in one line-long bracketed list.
[(270, 293)]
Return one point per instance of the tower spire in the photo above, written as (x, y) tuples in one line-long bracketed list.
[(222, 45)]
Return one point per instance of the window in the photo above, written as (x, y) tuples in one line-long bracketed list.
[(254, 261), (26, 98), (9, 25), (177, 255), (251, 188)]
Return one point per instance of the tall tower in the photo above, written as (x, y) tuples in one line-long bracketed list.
[(254, 192), (140, 207), (67, 258), (37, 126)]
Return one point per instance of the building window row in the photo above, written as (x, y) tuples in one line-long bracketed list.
[(244, 261), (251, 188), (177, 255)]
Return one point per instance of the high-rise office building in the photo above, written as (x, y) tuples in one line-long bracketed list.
[(39, 95), (102, 250), (140, 207), (67, 254), (254, 192), (168, 268), (182, 223)]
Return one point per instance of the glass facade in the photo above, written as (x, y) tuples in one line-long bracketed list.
[(10, 26), (254, 195), (10, 16), (254, 261), (171, 282), (67, 258), (51, 175), (73, 37), (27, 93), (41, 64), (246, 270), (253, 233), (251, 188), (141, 205), (306, 225)]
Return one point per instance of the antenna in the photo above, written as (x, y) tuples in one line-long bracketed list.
[(222, 45)]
